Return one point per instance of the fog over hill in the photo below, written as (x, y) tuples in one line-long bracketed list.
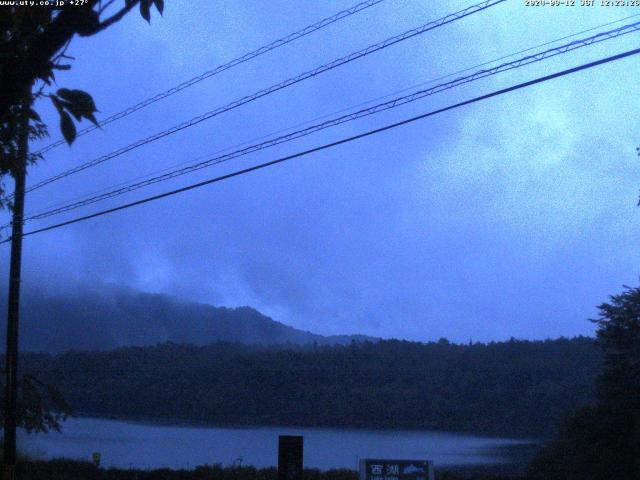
[(114, 317)]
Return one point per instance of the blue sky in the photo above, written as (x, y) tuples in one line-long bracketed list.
[(515, 216)]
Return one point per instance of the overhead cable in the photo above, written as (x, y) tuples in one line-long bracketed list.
[(339, 142), (420, 94), (274, 88)]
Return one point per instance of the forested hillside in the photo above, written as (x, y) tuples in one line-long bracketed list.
[(112, 317), (510, 388)]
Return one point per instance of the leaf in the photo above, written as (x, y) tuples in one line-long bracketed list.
[(87, 23), (57, 103), (79, 103), (73, 110), (145, 10), (47, 77), (64, 93), (33, 115), (79, 97), (68, 128), (80, 114), (91, 117), (159, 5)]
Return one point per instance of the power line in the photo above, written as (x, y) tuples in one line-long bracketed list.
[(274, 88), (221, 68), (339, 142), (291, 81), (307, 122), (527, 60)]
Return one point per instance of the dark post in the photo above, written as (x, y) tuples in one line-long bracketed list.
[(289, 457), (11, 358)]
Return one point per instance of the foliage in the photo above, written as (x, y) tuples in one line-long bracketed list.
[(74, 102), (509, 388), (603, 441), (33, 45), (63, 469), (40, 406)]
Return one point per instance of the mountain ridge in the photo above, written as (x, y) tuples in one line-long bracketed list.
[(118, 317)]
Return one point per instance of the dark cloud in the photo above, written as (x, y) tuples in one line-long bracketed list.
[(513, 217)]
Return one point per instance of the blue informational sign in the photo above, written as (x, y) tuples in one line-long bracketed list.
[(375, 469)]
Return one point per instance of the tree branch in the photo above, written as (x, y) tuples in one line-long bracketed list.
[(18, 71), (117, 16)]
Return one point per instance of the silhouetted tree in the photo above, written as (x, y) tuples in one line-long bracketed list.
[(40, 406), (507, 388), (603, 441), (33, 45)]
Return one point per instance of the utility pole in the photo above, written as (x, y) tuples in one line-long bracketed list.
[(13, 314)]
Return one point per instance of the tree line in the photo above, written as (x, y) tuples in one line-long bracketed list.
[(516, 388)]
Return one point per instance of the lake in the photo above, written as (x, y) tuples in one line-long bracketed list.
[(145, 445)]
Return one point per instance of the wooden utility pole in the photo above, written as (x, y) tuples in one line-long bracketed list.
[(13, 314)]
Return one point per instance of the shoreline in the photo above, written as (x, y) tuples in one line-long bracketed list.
[(177, 422), (84, 470), (508, 457)]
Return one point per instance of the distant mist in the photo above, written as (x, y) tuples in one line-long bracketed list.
[(111, 317)]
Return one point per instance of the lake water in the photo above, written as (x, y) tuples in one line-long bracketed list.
[(143, 445)]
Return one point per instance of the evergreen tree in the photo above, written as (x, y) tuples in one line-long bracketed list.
[(603, 441)]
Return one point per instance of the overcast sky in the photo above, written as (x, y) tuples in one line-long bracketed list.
[(514, 216)]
